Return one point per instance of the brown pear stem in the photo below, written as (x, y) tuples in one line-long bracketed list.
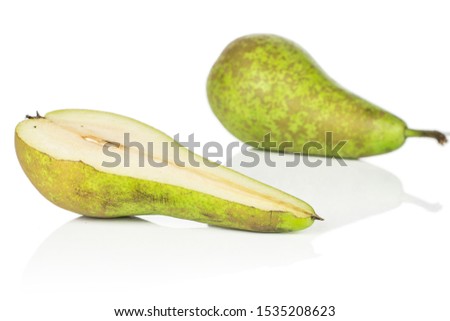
[(316, 217), (440, 137), (34, 117)]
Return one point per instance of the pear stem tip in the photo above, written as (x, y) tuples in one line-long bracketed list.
[(317, 217)]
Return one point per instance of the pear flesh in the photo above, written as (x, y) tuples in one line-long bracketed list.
[(63, 154), (264, 84)]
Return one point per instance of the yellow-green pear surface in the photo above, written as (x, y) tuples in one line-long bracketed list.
[(265, 84), (105, 165)]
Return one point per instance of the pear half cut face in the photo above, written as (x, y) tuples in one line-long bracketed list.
[(113, 148)]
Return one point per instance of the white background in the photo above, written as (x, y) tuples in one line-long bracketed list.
[(381, 254)]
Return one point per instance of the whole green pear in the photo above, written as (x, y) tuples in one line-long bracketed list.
[(106, 165), (264, 84)]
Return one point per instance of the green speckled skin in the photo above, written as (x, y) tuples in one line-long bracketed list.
[(265, 83), (80, 188)]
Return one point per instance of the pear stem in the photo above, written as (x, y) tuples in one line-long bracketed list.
[(440, 137), (34, 117), (316, 217)]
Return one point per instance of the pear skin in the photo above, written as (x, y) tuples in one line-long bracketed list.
[(62, 155), (264, 84)]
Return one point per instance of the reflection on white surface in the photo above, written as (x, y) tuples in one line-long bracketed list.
[(95, 253), (339, 194), (132, 252)]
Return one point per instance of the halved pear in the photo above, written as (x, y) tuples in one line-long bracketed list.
[(81, 161)]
